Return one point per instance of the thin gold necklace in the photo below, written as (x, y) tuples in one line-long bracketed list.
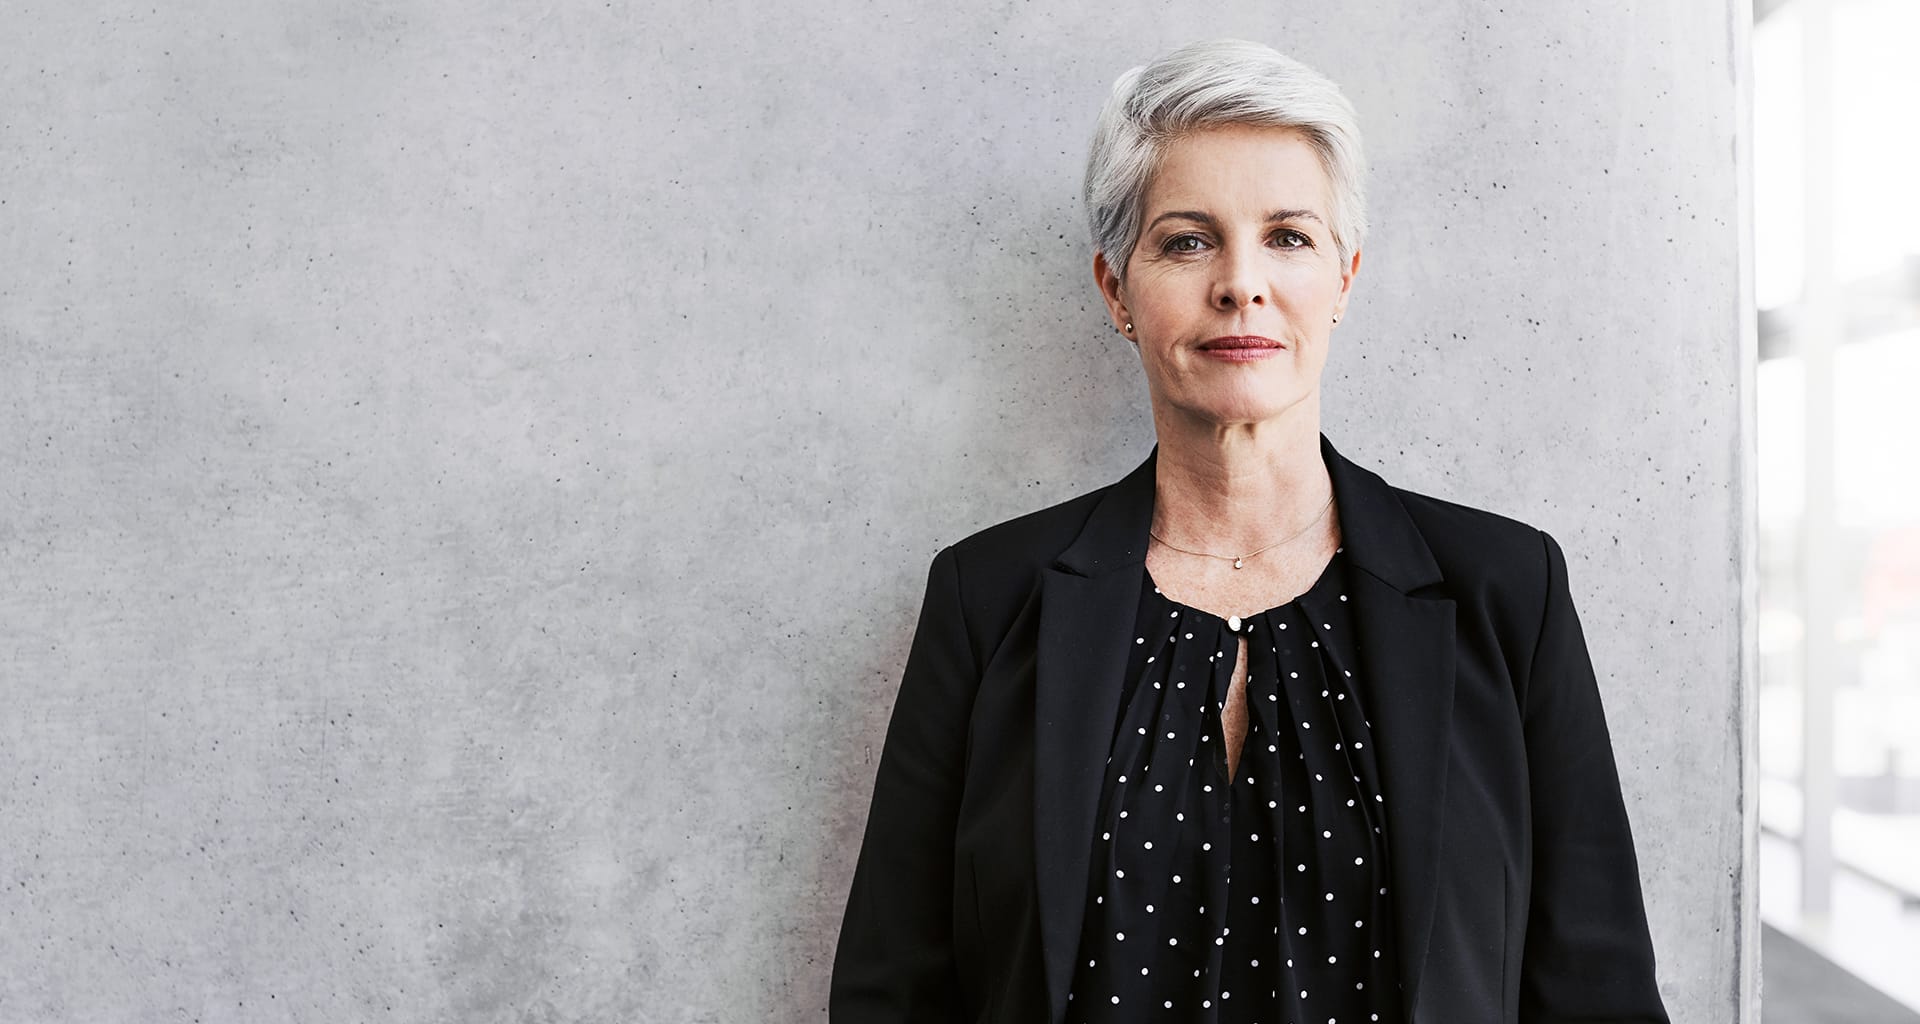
[(1239, 559)]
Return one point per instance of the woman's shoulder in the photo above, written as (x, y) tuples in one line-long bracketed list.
[(1477, 547), (1031, 540)]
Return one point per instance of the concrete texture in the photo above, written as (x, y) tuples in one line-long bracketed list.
[(470, 468)]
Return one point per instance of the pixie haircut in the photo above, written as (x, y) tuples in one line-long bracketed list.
[(1211, 84)]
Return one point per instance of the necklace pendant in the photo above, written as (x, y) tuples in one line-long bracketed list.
[(1236, 563)]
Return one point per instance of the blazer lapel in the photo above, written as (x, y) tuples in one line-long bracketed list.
[(1087, 604), (1088, 599), (1406, 651)]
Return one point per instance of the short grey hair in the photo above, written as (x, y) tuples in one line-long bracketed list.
[(1209, 84)]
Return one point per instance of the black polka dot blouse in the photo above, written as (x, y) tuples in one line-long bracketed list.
[(1260, 898)]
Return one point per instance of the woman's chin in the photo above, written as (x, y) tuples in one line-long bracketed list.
[(1240, 410)]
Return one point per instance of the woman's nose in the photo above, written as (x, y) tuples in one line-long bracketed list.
[(1240, 282)]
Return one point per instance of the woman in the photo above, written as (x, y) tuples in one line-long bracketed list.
[(1249, 735)]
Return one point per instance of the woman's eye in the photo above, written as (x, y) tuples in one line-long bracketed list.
[(1184, 243), (1291, 239)]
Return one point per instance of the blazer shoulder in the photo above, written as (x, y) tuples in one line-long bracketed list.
[(1028, 542), (1479, 551)]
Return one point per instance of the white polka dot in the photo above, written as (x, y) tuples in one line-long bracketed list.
[(1120, 936)]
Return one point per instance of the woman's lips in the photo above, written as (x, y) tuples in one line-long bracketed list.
[(1242, 348)]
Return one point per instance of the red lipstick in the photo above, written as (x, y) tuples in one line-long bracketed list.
[(1241, 348)]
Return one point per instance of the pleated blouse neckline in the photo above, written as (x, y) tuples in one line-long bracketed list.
[(1260, 898)]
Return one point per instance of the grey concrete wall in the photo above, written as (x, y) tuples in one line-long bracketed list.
[(470, 468)]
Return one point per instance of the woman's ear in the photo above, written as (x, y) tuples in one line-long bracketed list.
[(1112, 291), (1347, 274)]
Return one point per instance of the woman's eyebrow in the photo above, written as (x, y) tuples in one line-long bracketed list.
[(1291, 214), (1193, 215), (1203, 217)]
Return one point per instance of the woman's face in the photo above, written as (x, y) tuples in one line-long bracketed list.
[(1235, 281)]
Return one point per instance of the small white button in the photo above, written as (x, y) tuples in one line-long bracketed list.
[(1233, 623)]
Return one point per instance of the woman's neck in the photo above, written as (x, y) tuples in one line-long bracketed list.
[(1229, 489)]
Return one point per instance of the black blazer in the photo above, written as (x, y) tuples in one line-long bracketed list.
[(1518, 893)]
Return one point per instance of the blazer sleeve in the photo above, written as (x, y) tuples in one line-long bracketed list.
[(894, 961), (1588, 955)]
